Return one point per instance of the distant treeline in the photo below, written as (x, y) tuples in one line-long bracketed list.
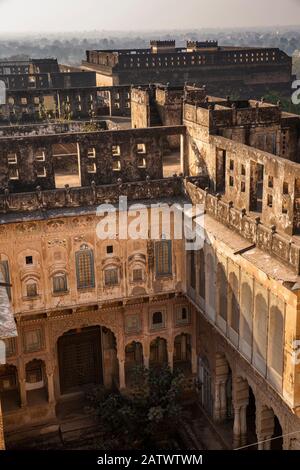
[(71, 50)]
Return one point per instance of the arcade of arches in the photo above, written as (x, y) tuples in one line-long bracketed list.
[(34, 389)]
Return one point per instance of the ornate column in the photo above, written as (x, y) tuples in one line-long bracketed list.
[(122, 383), (260, 439), (23, 393), (244, 425), (223, 401), (146, 361), (237, 427), (264, 425), (50, 384), (217, 402), (267, 444), (171, 356)]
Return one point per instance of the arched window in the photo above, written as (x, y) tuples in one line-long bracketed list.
[(234, 303), (222, 291), (111, 277), (261, 326), (163, 255), (276, 340), (157, 318), (247, 314), (85, 268), (210, 271), (59, 283)]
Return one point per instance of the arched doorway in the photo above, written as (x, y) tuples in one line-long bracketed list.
[(133, 359), (36, 383), (158, 353), (9, 388), (251, 421), (80, 359), (183, 353), (277, 443)]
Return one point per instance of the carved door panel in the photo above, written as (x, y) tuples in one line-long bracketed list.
[(80, 361)]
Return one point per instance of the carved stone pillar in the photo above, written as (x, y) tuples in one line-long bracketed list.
[(267, 443), (260, 439), (244, 425), (23, 393), (264, 425), (237, 427), (50, 383), (223, 401), (146, 361), (171, 358), (122, 383), (217, 402)]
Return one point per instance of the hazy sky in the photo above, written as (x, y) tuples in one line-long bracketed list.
[(70, 15)]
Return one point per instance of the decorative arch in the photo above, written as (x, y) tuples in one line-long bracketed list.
[(234, 305), (276, 339), (133, 358), (182, 358), (9, 387), (158, 352)]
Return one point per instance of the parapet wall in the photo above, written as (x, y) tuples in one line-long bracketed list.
[(280, 246)]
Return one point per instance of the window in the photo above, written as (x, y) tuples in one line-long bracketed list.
[(116, 150), (231, 165), (243, 170), (91, 153), (41, 173), (141, 162), (141, 148), (34, 373), (109, 249), (91, 168), (285, 187), (12, 159), (10, 347), (29, 260), (182, 316), (270, 200), (111, 276), (60, 283), (32, 340), (243, 186), (40, 155), (31, 290), (157, 319), (116, 166), (231, 181), (163, 254), (137, 275), (24, 101), (270, 182), (85, 268)]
